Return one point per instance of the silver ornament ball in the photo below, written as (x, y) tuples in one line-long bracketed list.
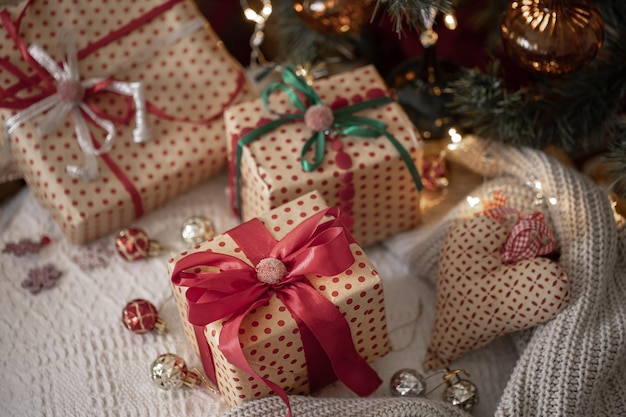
[(461, 393), (407, 383), (169, 371), (197, 229)]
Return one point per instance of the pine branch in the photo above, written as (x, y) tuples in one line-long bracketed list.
[(579, 112), (408, 12), (296, 42)]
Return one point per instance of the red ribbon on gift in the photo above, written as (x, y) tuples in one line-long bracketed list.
[(11, 98), (317, 246)]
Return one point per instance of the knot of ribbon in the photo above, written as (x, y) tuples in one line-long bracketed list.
[(323, 121), (230, 288), (529, 235), (69, 98)]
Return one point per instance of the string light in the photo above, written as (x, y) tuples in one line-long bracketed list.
[(449, 20), (455, 138), (473, 201), (258, 36)]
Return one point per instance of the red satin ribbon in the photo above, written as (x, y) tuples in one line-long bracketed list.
[(313, 247)]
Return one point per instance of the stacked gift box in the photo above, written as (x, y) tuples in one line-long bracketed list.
[(152, 81)]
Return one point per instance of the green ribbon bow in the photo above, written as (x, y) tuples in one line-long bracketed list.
[(345, 122)]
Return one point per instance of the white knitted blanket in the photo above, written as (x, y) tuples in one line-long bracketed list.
[(65, 352)]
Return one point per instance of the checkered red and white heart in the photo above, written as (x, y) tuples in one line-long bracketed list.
[(492, 281)]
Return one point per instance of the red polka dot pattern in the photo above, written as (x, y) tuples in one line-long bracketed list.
[(270, 336), (379, 196), (192, 80), (479, 298)]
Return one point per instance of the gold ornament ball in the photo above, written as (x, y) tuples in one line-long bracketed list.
[(334, 17), (552, 37)]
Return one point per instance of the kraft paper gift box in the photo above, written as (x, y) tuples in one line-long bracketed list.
[(244, 321), (363, 171), (149, 71)]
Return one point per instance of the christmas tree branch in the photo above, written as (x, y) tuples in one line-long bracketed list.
[(408, 12), (579, 112), (297, 43)]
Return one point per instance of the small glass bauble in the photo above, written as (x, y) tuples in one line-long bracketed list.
[(428, 38), (141, 316), (334, 17), (407, 383), (552, 36), (169, 371), (197, 229), (134, 244), (461, 393)]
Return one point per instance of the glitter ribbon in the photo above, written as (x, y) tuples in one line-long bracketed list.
[(315, 247), (344, 122)]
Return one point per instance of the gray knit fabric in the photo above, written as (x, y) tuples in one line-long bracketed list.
[(573, 365), (340, 407)]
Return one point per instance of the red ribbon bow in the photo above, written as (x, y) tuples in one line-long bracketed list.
[(529, 237), (315, 247)]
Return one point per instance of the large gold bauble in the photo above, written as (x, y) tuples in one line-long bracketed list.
[(552, 36), (334, 17)]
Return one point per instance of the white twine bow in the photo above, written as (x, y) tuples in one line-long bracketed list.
[(68, 99)]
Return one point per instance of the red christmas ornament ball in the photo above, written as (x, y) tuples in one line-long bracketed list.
[(132, 244), (141, 316)]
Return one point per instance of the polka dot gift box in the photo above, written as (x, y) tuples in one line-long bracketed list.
[(345, 138), (113, 107), (284, 303)]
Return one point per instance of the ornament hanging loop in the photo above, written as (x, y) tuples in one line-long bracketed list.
[(429, 37), (448, 376), (200, 374)]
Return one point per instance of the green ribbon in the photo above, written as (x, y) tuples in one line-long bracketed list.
[(345, 122)]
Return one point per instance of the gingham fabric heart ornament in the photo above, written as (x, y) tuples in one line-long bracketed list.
[(492, 281)]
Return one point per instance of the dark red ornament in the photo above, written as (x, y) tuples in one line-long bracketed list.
[(133, 244), (141, 316)]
